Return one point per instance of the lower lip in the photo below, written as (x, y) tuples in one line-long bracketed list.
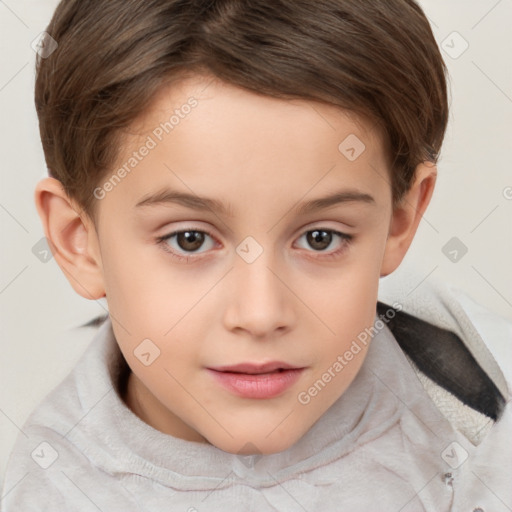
[(265, 385)]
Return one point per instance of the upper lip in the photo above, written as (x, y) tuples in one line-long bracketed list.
[(255, 368)]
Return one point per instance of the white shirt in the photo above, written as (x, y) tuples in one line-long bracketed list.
[(382, 446)]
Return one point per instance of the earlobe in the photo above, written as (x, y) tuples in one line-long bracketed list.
[(406, 217), (72, 239)]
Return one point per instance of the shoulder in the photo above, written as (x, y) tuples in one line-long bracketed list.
[(49, 466), (40, 472), (458, 349)]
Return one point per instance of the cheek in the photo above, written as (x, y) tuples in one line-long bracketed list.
[(348, 309), (348, 301), (141, 286)]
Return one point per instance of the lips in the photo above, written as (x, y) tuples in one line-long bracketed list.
[(257, 381), (256, 369)]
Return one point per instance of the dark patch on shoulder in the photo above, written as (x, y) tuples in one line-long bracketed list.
[(443, 357)]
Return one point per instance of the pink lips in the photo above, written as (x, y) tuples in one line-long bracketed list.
[(251, 380)]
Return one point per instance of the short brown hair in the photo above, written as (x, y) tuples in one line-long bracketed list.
[(376, 58)]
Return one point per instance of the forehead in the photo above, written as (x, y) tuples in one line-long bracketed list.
[(219, 140), (224, 103)]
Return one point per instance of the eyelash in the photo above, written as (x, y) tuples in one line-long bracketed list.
[(161, 241)]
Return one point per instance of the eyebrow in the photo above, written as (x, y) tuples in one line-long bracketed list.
[(195, 202)]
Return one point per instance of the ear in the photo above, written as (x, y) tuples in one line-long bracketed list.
[(72, 238), (407, 215)]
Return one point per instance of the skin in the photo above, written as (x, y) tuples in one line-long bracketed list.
[(263, 157)]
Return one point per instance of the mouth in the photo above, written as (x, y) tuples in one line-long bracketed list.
[(256, 368), (263, 381)]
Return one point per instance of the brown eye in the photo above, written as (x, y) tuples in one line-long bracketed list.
[(185, 244), (190, 240), (319, 239)]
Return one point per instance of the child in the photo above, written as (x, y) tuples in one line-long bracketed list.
[(256, 368)]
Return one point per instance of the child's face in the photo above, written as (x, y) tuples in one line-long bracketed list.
[(260, 285)]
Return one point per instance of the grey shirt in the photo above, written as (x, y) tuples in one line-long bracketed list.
[(383, 445)]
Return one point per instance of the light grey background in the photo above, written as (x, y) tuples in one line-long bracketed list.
[(40, 339)]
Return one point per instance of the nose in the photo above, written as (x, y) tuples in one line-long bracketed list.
[(260, 302)]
